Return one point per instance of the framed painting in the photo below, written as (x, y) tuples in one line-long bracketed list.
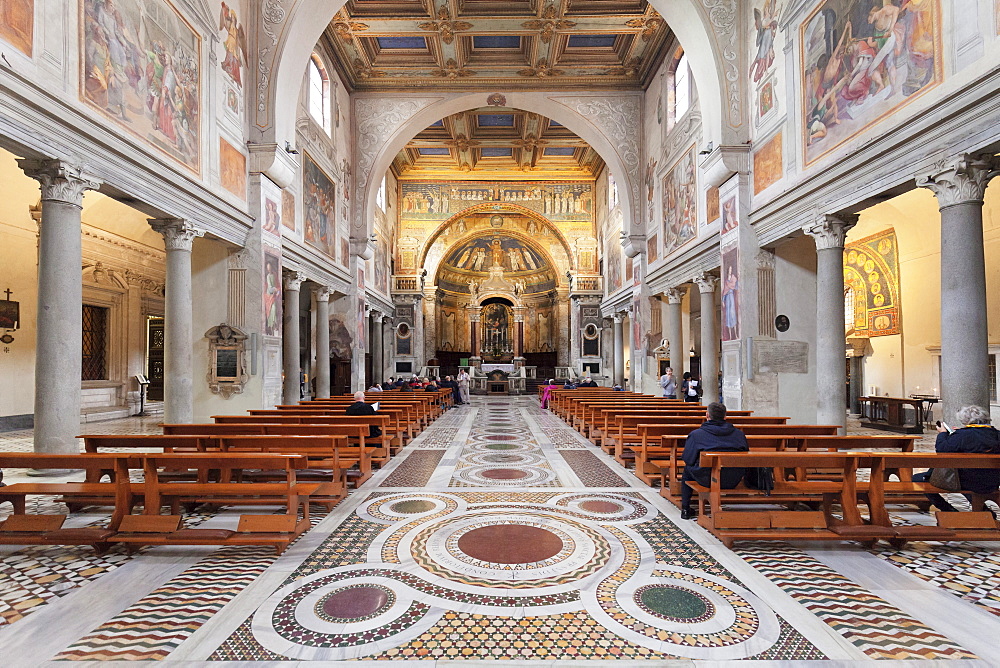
[(680, 203), (319, 201), (17, 24)]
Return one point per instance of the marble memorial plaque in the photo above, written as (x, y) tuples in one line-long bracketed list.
[(780, 356)]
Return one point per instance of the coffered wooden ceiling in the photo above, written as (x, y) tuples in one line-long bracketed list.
[(497, 143), (487, 44)]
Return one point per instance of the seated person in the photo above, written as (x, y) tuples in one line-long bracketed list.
[(405, 388), (431, 387), (715, 435), (589, 382), (569, 385), (547, 392), (975, 436), (359, 407), (616, 388), (375, 388)]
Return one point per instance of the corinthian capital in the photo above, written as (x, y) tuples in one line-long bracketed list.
[(831, 231), (61, 181), (706, 283), (675, 295), (323, 293), (178, 234), (293, 280), (959, 181)]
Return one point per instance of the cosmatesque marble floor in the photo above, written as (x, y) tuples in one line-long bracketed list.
[(498, 535)]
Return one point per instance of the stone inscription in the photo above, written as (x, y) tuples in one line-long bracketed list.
[(780, 356)]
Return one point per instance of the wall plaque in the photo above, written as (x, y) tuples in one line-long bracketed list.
[(770, 356)]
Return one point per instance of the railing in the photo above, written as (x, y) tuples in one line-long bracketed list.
[(406, 284), (585, 284)]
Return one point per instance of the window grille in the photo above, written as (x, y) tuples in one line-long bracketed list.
[(95, 342)]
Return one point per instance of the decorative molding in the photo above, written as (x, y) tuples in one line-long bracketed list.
[(706, 283), (322, 293), (961, 180), (675, 295), (178, 234), (830, 231), (378, 119), (61, 181), (293, 280), (724, 17), (765, 258), (229, 339), (272, 15)]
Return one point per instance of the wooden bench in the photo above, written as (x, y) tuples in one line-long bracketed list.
[(393, 434), (627, 430)]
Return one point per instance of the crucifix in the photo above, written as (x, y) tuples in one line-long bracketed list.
[(7, 292)]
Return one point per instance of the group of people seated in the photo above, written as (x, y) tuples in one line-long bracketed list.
[(458, 385), (976, 435)]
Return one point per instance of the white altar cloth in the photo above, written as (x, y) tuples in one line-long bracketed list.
[(506, 368)]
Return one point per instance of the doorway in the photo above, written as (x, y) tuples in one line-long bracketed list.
[(154, 358), (855, 381)]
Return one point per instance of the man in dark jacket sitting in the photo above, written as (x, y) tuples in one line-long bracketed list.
[(976, 435), (359, 407), (716, 435)]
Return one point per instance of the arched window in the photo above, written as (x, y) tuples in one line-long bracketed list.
[(679, 90), (319, 92), (380, 195)]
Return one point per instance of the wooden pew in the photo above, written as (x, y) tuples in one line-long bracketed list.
[(277, 531), (392, 422), (626, 429)]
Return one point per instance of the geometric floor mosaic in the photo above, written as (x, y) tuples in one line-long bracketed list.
[(500, 534)]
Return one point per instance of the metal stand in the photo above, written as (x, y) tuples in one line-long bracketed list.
[(142, 400)]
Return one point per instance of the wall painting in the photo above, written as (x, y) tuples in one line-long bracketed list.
[(272, 294), (712, 205), (652, 248), (319, 201), (17, 23), (235, 44), (730, 293), (362, 317), (871, 276), (613, 265), (232, 169), (272, 217), (288, 209), (730, 217), (563, 201), (862, 60), (680, 203), (140, 65), (765, 21), (767, 164)]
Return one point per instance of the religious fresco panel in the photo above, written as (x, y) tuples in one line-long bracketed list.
[(288, 209), (272, 217), (234, 44), (680, 203), (767, 164), (712, 205), (862, 60), (441, 200), (871, 274), (612, 265), (233, 169), (17, 24), (272, 294), (141, 66), (730, 217), (319, 201), (765, 20), (730, 293)]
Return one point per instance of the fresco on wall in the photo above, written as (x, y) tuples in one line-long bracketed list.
[(862, 59), (767, 166), (613, 265), (272, 294), (319, 201), (871, 274), (381, 266), (730, 218), (288, 209), (232, 169), (141, 67), (17, 23), (712, 205), (765, 99), (637, 318), (765, 22), (652, 248), (730, 293), (680, 203), (235, 44), (272, 217), (441, 200), (362, 316)]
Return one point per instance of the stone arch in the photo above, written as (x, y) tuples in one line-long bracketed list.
[(490, 206), (708, 30), (514, 234)]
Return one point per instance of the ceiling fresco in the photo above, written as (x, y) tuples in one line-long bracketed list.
[(494, 142), (444, 44)]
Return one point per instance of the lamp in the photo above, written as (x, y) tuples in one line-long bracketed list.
[(691, 352)]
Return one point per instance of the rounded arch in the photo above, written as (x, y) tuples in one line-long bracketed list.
[(294, 35), (491, 207), (523, 237)]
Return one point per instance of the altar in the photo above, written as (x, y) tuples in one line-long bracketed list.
[(506, 368)]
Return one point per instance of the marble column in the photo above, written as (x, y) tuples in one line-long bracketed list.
[(378, 365), (178, 320), (675, 332), (322, 295), (959, 188), (709, 339), (575, 332), (59, 333), (561, 332), (418, 333), (290, 359), (829, 232), (619, 360)]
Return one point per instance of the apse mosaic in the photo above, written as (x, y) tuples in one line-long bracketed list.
[(861, 61), (871, 276), (141, 66), (466, 266), (439, 201)]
